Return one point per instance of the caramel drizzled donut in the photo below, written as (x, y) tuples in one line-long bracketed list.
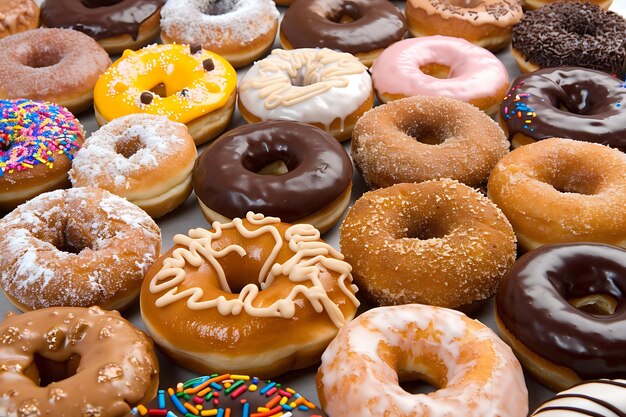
[(18, 16)]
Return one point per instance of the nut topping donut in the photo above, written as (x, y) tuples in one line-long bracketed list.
[(219, 298), (74, 362), (290, 170), (600, 397), (476, 373), (76, 247), (18, 16)]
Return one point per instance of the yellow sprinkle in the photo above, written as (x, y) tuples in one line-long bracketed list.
[(283, 400), (212, 412), (262, 409), (252, 388), (527, 121), (237, 377), (290, 390)]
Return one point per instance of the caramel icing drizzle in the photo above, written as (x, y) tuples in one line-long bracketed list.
[(310, 257)]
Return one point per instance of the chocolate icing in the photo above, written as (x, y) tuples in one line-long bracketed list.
[(316, 24), (593, 102), (99, 18), (225, 176), (532, 304)]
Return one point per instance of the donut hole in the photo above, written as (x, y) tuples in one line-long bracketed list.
[(129, 146), (436, 70), (43, 58), (265, 161), (94, 4), (576, 184), (425, 230), (45, 371), (347, 14), (599, 304), (71, 240), (417, 386), (216, 8), (275, 168), (160, 90), (467, 4), (424, 133)]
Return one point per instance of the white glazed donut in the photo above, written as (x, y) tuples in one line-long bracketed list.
[(602, 397), (328, 89)]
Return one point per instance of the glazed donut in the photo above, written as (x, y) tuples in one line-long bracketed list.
[(441, 66), (18, 16), (566, 102), (571, 33), (219, 298), (360, 27), (437, 242), (78, 247), (486, 23), (327, 89), (38, 142), (476, 374), (116, 24), (422, 138), (560, 191), (240, 31), (74, 362), (189, 85), (290, 170), (144, 158), (57, 65), (601, 397), (562, 310)]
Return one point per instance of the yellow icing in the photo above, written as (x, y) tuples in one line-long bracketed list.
[(118, 91)]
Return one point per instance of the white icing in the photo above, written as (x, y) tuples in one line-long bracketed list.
[(598, 391)]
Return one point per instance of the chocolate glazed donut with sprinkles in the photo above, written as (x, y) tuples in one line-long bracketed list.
[(38, 141)]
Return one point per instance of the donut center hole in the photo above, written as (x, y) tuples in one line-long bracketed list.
[(159, 90), (417, 386), (573, 185), (92, 4), (347, 14), (436, 70), (275, 168), (71, 241), (43, 59), (601, 304), (425, 134), (467, 4), (49, 371), (303, 78), (217, 7), (129, 146), (426, 230)]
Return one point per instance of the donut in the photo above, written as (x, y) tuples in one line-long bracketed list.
[(18, 16), (189, 85), (536, 4), (38, 142), (486, 23), (475, 374), (144, 158), (360, 27), (561, 308), (72, 361), (600, 397), (57, 65), (290, 170), (571, 34), (220, 298), (561, 191), (565, 102), (229, 395), (423, 138), (78, 247), (240, 31), (327, 89), (437, 242), (441, 66), (116, 24)]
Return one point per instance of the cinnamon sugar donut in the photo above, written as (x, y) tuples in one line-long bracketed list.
[(18, 16)]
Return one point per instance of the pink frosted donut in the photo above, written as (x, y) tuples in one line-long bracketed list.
[(440, 66)]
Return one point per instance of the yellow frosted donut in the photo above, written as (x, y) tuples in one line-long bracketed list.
[(185, 83)]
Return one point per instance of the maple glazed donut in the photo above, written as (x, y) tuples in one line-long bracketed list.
[(476, 373), (219, 298), (327, 89), (562, 310), (56, 65), (441, 66), (600, 397), (422, 138), (437, 242), (562, 190), (70, 361), (360, 27), (239, 30), (290, 170), (18, 16), (77, 247)]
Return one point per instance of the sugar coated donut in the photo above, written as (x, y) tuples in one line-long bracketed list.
[(39, 141), (565, 102), (327, 89), (560, 191), (74, 362), (476, 374), (18, 16), (486, 23), (422, 138), (360, 27), (239, 30), (440, 66), (437, 242), (76, 247), (600, 397), (571, 33), (189, 85), (57, 65), (144, 158), (290, 170), (562, 308), (220, 298), (116, 24)]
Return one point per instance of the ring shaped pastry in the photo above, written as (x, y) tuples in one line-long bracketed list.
[(70, 361), (476, 373), (18, 16), (563, 310), (604, 397), (311, 182)]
